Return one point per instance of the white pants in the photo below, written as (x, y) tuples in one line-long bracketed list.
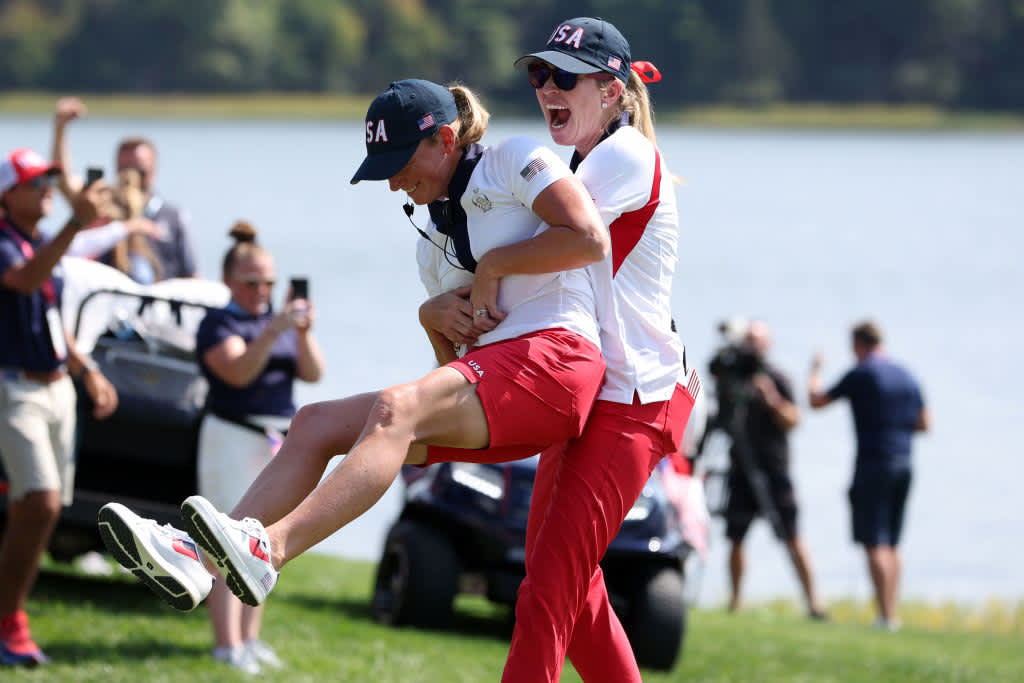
[(231, 457)]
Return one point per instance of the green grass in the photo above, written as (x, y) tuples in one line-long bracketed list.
[(320, 106), (112, 629)]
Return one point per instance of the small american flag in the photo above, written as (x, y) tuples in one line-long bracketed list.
[(533, 168), (614, 63), (426, 122), (693, 386)]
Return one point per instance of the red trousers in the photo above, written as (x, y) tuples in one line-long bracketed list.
[(581, 495)]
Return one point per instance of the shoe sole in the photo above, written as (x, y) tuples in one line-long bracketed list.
[(194, 512), (132, 553), (26, 661)]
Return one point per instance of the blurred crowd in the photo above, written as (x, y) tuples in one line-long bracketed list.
[(249, 352)]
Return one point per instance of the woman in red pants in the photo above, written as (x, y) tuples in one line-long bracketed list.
[(594, 98)]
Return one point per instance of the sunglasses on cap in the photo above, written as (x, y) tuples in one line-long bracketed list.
[(539, 73), (41, 181)]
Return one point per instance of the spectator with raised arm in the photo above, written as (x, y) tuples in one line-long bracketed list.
[(888, 408), (37, 396), (153, 241)]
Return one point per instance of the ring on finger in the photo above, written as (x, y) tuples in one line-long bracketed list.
[(480, 312)]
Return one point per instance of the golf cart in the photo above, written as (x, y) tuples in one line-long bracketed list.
[(463, 528)]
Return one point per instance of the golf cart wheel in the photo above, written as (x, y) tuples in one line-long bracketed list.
[(417, 578), (656, 624)]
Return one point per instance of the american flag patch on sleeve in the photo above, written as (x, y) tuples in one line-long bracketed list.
[(533, 168), (426, 122)]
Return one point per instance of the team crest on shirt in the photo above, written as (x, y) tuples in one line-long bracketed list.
[(481, 201)]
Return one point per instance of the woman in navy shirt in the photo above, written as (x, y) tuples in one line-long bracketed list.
[(250, 354)]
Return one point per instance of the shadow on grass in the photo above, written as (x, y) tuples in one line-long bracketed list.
[(497, 625), (119, 594), (70, 651), (116, 596)]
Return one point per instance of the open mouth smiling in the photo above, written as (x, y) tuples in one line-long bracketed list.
[(558, 116)]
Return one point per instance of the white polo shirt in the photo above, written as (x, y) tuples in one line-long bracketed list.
[(634, 286), (497, 202)]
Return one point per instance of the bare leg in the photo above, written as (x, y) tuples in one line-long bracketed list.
[(876, 566), (225, 615), (30, 523), (318, 432), (802, 562), (252, 619), (442, 408), (736, 565), (892, 581)]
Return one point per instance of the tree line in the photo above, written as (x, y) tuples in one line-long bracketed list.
[(965, 54)]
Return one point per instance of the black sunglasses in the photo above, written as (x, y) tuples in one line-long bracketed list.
[(539, 74)]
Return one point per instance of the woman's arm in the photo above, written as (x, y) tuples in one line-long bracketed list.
[(576, 238), (68, 109), (310, 362), (239, 364), (444, 350), (92, 242), (451, 315)]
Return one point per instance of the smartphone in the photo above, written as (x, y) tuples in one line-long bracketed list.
[(300, 288), (92, 174)]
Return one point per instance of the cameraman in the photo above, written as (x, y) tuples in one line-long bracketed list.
[(758, 411)]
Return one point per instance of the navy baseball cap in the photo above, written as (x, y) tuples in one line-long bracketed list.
[(585, 46), (397, 120)]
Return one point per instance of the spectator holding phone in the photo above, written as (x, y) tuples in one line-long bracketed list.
[(251, 356), (120, 230), (37, 398)]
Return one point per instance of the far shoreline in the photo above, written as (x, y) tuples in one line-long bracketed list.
[(311, 106)]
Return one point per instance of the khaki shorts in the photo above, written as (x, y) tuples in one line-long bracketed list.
[(37, 435)]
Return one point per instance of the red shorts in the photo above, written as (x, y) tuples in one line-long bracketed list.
[(536, 390)]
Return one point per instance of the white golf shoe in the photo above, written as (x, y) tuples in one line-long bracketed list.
[(240, 548), (164, 558)]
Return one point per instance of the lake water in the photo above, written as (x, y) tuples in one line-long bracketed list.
[(810, 231)]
